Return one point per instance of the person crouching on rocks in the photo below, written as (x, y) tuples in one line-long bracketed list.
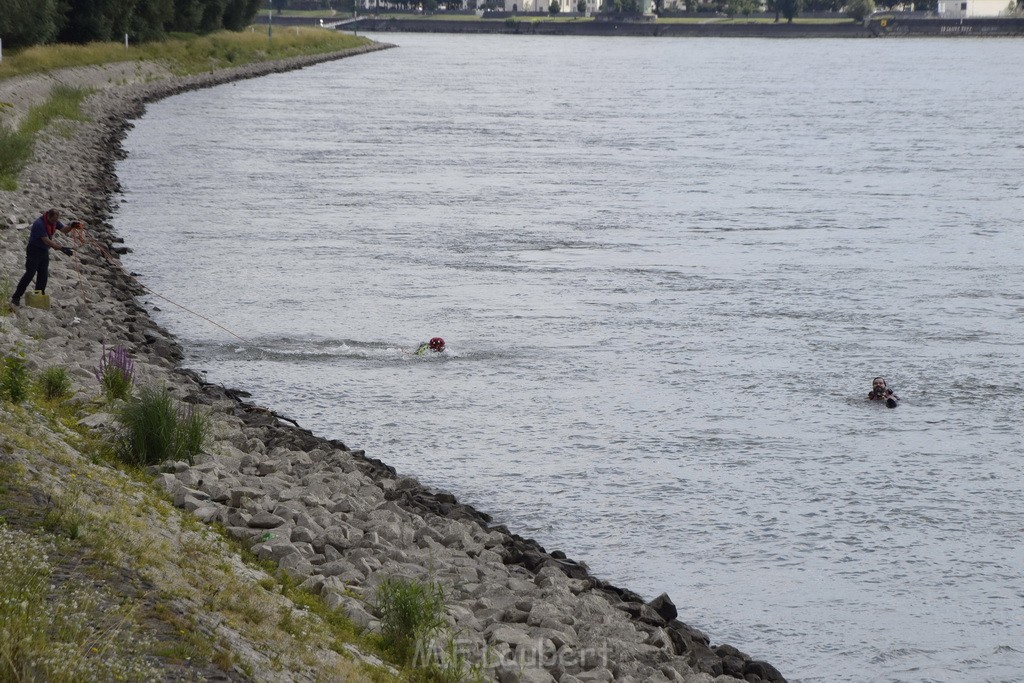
[(881, 392), (37, 253)]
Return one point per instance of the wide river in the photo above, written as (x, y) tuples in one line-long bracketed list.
[(667, 271)]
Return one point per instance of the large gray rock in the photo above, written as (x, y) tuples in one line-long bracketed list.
[(241, 494), (340, 536), (265, 520), (342, 569), (504, 633), (275, 550)]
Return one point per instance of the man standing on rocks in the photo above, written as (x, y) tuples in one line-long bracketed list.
[(37, 253)]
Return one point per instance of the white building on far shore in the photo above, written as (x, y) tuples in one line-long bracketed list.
[(965, 9)]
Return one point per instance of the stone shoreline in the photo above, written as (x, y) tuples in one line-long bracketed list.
[(333, 518)]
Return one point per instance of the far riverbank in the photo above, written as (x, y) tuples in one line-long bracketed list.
[(879, 26)]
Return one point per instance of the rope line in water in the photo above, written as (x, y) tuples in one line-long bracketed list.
[(82, 239)]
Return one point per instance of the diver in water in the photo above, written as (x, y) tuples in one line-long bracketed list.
[(436, 345), (881, 392)]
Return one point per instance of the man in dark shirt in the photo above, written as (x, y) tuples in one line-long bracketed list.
[(37, 253)]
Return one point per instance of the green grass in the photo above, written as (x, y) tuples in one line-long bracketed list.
[(15, 151), (154, 429), (16, 145), (64, 103), (59, 631), (411, 614), (54, 384), (184, 53)]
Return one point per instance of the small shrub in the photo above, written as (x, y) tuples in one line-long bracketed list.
[(153, 429), (54, 383), (411, 614), (116, 373), (14, 382)]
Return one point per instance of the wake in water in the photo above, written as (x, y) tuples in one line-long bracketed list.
[(306, 351)]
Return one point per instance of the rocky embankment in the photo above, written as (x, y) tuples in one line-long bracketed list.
[(334, 519)]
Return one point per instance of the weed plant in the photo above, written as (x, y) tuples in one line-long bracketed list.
[(54, 383), (6, 288), (153, 429), (116, 373), (448, 665), (411, 614), (14, 380)]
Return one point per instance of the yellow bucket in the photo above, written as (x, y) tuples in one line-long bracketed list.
[(37, 299)]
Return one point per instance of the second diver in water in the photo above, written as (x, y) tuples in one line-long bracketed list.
[(881, 392), (436, 345)]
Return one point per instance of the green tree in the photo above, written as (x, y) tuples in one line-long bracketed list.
[(788, 8), (86, 21), (187, 14), (554, 7), (150, 19), (28, 22), (860, 9), (581, 6), (213, 16), (239, 13)]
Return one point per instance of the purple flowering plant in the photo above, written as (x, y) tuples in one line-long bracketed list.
[(116, 372)]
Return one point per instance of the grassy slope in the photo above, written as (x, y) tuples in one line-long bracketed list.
[(104, 579), (109, 581), (183, 53)]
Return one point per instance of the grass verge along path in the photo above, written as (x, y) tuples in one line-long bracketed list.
[(185, 53)]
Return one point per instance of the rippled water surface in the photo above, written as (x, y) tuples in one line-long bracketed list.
[(667, 271)]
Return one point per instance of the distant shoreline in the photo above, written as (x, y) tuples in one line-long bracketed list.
[(876, 28), (879, 26)]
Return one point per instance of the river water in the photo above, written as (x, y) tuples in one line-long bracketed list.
[(667, 271)]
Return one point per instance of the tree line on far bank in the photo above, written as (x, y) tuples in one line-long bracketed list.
[(30, 22)]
